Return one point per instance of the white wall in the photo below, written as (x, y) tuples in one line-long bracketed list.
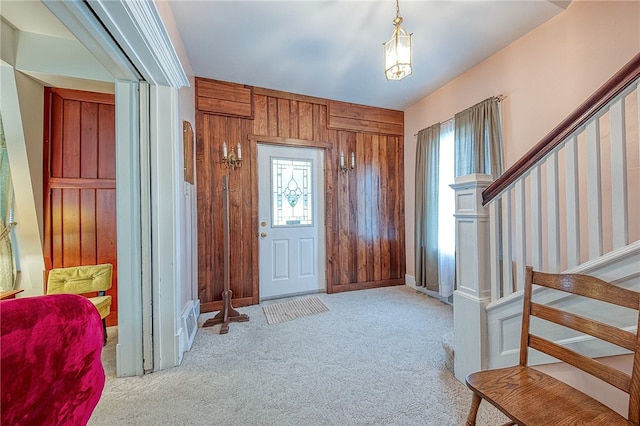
[(188, 242), (23, 133), (35, 61), (545, 75)]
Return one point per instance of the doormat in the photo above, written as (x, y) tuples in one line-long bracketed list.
[(287, 311)]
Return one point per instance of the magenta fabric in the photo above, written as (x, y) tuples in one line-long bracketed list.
[(51, 368)]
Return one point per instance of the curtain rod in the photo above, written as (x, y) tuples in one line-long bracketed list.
[(499, 97)]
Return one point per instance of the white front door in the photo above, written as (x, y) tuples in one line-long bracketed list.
[(291, 221)]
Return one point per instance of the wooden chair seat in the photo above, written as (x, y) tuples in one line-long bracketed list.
[(531, 397)]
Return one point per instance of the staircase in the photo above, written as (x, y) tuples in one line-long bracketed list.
[(571, 204)]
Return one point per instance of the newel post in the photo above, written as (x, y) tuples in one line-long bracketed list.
[(473, 285)]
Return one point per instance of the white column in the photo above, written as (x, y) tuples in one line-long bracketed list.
[(473, 280), (166, 215), (131, 246)]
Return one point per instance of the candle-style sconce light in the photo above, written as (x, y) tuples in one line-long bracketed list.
[(231, 160), (344, 168)]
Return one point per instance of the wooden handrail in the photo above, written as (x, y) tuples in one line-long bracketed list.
[(616, 84)]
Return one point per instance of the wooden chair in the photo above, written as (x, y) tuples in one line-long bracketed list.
[(530, 397), (85, 280)]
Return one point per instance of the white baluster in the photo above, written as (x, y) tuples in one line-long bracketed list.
[(536, 216), (553, 220), (507, 274), (520, 232), (573, 202), (618, 174), (594, 192), (494, 249)]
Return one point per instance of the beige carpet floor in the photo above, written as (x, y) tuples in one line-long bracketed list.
[(374, 358)]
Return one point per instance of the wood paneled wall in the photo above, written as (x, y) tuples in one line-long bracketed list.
[(80, 183), (364, 209)]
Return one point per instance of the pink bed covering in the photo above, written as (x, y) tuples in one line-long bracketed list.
[(51, 368)]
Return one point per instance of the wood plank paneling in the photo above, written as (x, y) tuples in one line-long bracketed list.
[(364, 141), (369, 214), (56, 182), (204, 206), (385, 209), (361, 118), (364, 208), (212, 131), (106, 244), (218, 97), (71, 231), (287, 95), (107, 142), (272, 117), (79, 180), (260, 116), (305, 120), (89, 137), (345, 230), (70, 144), (88, 230), (284, 117), (353, 195), (82, 96)]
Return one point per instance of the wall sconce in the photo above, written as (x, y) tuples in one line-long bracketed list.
[(231, 160), (344, 169)]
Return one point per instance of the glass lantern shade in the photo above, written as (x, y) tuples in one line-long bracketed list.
[(397, 55)]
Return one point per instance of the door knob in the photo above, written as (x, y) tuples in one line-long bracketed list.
[(263, 234)]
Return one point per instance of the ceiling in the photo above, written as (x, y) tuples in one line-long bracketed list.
[(331, 49), (33, 17)]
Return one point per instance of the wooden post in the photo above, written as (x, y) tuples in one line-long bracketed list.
[(227, 314)]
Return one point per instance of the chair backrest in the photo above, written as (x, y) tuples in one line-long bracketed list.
[(80, 279), (592, 288)]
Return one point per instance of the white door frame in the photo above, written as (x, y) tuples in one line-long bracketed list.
[(139, 30), (294, 143), (320, 209)]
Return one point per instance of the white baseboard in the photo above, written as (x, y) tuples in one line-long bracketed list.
[(410, 281)]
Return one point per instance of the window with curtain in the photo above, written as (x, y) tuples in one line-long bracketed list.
[(469, 143), (435, 224), (7, 269), (446, 210), (478, 139)]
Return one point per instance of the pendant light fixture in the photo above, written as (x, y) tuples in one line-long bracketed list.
[(397, 51)]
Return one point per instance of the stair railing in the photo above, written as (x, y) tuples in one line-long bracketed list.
[(571, 198)]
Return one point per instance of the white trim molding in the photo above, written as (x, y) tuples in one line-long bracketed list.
[(79, 19), (129, 350), (141, 34)]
